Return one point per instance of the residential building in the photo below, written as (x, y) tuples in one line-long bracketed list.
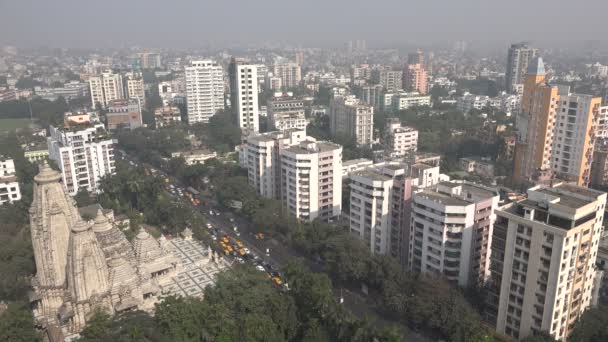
[(601, 130), (204, 90), (273, 82), (167, 116), (543, 260), (124, 114), (381, 202), (415, 79), (150, 60), (350, 117), (468, 101), (193, 157), (261, 156), (35, 153), (84, 155), (244, 94), (9, 186), (391, 80), (311, 180), (518, 57), (350, 166), (451, 230), (286, 111), (574, 136), (361, 72), (394, 102), (400, 140), (535, 124), (105, 88), (371, 94), (289, 73), (135, 87)]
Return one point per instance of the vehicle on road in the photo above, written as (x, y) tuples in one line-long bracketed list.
[(277, 280), (259, 236)]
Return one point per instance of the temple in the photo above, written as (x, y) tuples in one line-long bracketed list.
[(83, 266)]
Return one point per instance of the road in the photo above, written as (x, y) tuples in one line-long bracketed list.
[(280, 254)]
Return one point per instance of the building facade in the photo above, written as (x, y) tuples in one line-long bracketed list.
[(543, 260), (289, 73), (451, 231), (262, 158), (244, 94), (350, 117), (311, 180), (400, 140), (415, 78), (167, 116), (535, 124), (83, 156), (518, 57), (135, 87), (204, 90), (105, 88), (124, 114), (286, 111), (9, 185)]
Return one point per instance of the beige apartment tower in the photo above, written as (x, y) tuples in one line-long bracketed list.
[(543, 260)]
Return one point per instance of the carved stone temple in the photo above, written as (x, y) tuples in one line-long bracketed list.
[(85, 265)]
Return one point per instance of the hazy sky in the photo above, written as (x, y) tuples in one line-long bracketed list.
[(190, 23)]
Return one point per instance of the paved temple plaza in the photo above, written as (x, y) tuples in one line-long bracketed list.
[(84, 265)]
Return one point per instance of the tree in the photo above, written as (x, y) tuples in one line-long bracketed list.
[(540, 337), (17, 324), (83, 198), (592, 326)]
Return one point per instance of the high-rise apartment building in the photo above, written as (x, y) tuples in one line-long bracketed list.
[(106, 87), (204, 90), (381, 202), (535, 123), (167, 116), (371, 94), (543, 260), (244, 94), (400, 140), (517, 64), (574, 137), (9, 186), (135, 87), (451, 230), (262, 158), (289, 73), (350, 117), (391, 80), (415, 57), (311, 180), (150, 60), (415, 78), (286, 111), (83, 155)]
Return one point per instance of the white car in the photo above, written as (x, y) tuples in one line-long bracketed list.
[(214, 237), (209, 226), (211, 212), (260, 268)]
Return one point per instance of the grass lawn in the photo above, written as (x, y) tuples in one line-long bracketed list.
[(10, 125)]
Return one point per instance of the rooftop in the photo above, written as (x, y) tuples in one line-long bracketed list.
[(355, 161), (442, 198), (565, 199), (371, 174), (311, 147)]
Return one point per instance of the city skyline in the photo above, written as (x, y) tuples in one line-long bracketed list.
[(191, 24)]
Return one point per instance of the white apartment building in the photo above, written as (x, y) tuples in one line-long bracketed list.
[(601, 131), (204, 90), (467, 102), (244, 94), (381, 201), (286, 112), (9, 186), (401, 140), (83, 156), (544, 250), (573, 140), (350, 117), (289, 73), (105, 88), (135, 87), (262, 158), (394, 102), (371, 94), (311, 180), (451, 230), (391, 80)]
